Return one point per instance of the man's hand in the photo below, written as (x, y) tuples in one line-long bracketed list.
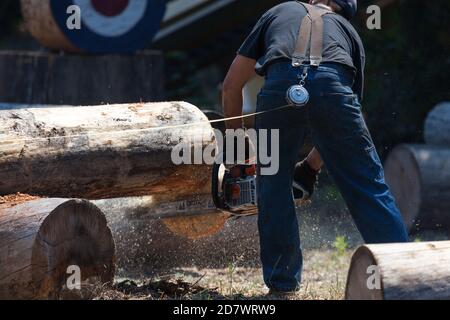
[(241, 71)]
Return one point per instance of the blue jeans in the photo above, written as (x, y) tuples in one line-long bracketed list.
[(341, 136)]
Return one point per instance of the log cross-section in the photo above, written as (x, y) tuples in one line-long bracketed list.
[(40, 240), (407, 271), (419, 176)]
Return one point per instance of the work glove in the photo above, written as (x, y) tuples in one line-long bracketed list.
[(305, 180)]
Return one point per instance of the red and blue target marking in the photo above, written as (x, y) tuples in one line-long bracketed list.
[(111, 26)]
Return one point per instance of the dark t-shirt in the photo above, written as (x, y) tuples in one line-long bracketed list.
[(275, 35)]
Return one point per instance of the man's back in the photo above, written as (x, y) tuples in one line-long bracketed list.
[(275, 36)]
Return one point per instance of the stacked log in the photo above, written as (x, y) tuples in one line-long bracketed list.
[(437, 126), (419, 175), (409, 271), (41, 239)]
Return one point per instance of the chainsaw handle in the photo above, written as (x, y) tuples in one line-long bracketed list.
[(218, 201)]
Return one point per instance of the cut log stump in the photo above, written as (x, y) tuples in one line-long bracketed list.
[(419, 176), (409, 271), (105, 151), (437, 126), (43, 241)]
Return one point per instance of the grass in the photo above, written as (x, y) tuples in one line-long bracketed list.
[(323, 278), (340, 245)]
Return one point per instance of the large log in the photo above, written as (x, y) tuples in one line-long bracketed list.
[(412, 271), (40, 239), (48, 78), (437, 125), (419, 176), (103, 151)]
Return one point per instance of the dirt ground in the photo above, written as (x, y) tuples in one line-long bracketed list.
[(324, 277), (226, 265)]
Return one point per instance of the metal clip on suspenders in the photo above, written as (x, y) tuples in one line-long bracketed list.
[(310, 37)]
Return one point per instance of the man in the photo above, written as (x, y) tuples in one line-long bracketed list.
[(333, 114)]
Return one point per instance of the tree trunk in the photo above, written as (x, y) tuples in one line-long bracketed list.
[(103, 151), (40, 239), (419, 176), (412, 271), (437, 126)]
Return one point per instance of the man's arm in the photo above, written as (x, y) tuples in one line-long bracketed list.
[(241, 71)]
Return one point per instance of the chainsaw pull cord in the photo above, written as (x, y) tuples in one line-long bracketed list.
[(183, 125), (310, 36)]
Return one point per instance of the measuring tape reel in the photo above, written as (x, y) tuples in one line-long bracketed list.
[(310, 38), (297, 95)]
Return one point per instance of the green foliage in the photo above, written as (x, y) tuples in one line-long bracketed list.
[(340, 244)]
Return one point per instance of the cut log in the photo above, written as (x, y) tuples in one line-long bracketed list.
[(437, 126), (48, 78), (103, 151), (412, 271), (419, 176), (40, 239)]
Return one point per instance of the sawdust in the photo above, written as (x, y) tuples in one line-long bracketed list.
[(153, 290), (12, 200), (196, 227)]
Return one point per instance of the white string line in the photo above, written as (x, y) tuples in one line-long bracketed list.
[(149, 129)]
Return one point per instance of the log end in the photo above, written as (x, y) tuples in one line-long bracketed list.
[(360, 285), (404, 178), (437, 126), (73, 239)]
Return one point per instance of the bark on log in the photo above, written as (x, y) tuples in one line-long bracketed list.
[(103, 151), (413, 271), (40, 239), (419, 176), (47, 78), (437, 126)]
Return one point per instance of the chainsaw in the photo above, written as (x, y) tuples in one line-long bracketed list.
[(234, 189)]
